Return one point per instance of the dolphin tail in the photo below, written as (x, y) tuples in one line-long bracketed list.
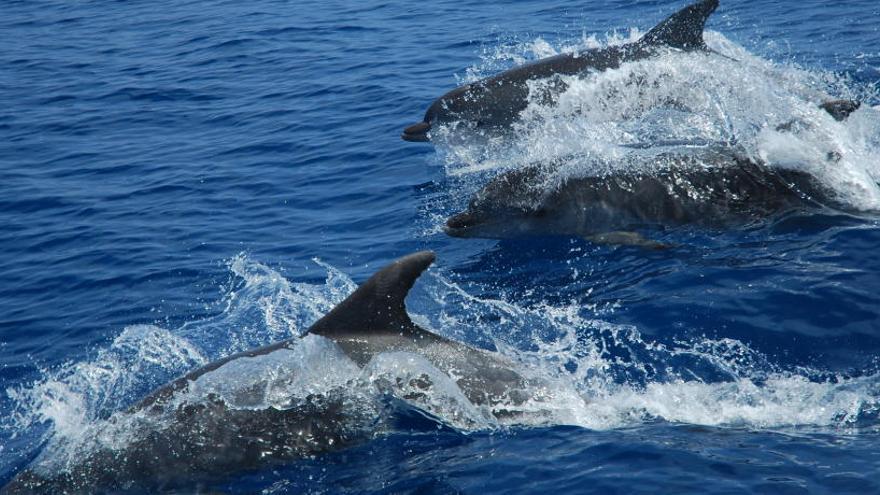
[(378, 304), (684, 29)]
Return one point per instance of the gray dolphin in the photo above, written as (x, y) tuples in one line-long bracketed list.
[(207, 439), (714, 187), (498, 100)]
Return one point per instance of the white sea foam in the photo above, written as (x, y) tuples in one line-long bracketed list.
[(315, 366)]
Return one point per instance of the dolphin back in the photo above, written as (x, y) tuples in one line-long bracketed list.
[(684, 29), (378, 304)]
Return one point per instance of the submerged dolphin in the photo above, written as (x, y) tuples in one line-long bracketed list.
[(209, 438), (711, 188), (498, 100)]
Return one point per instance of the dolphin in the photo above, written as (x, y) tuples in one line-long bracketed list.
[(713, 187), (206, 439), (498, 100)]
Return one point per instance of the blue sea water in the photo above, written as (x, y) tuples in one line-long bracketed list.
[(184, 180)]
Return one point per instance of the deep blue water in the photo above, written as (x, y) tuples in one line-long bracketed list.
[(181, 164)]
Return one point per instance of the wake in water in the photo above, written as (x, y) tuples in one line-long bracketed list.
[(589, 372)]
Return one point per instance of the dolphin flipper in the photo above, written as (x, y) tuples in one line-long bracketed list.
[(684, 29), (378, 304), (623, 238)]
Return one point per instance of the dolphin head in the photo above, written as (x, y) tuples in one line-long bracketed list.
[(511, 205), (495, 223), (418, 132), (444, 109), (472, 104)]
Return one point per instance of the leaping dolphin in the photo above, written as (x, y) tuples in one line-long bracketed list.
[(498, 100), (710, 188), (209, 438)]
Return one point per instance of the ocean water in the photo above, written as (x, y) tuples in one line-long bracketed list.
[(185, 180)]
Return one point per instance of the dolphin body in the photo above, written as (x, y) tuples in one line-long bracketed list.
[(498, 100), (710, 188), (208, 439)]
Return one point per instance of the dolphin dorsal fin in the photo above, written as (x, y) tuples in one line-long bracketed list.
[(378, 304), (683, 29)]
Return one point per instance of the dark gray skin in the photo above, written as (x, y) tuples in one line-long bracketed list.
[(680, 191), (498, 100), (206, 440)]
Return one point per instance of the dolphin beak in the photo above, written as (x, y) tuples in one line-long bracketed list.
[(457, 225), (417, 132)]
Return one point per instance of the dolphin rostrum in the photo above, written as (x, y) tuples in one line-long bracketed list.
[(714, 187), (197, 441), (498, 100)]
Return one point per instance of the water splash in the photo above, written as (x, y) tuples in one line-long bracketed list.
[(726, 96), (603, 375), (588, 372), (71, 407)]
